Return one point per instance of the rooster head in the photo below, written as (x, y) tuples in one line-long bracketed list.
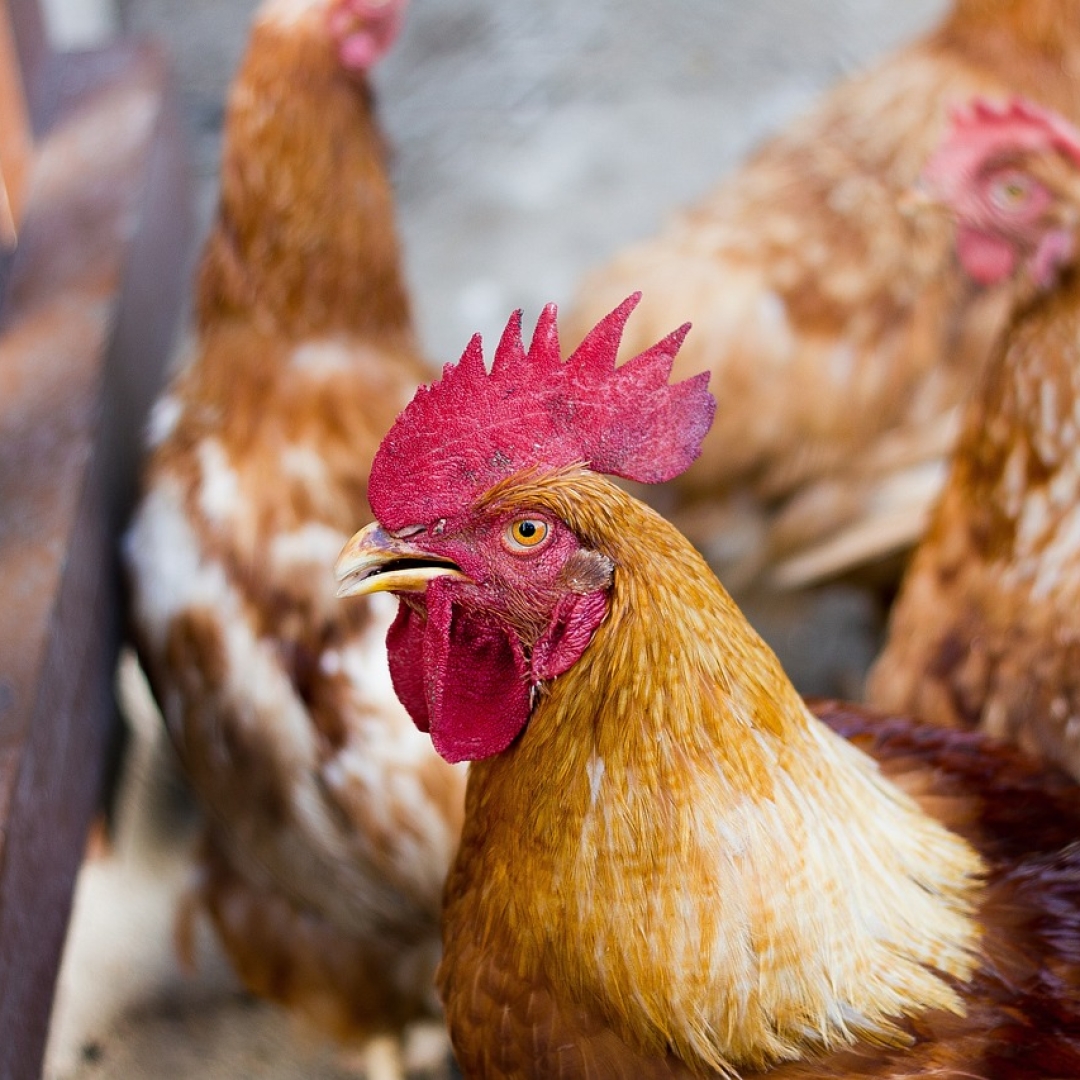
[(1009, 173), (364, 30), (502, 581)]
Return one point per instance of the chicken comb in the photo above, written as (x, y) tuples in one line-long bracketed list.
[(364, 29), (979, 128), (1019, 120), (464, 433)]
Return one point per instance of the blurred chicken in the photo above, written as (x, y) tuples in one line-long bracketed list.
[(840, 332), (669, 866), (330, 823), (986, 630)]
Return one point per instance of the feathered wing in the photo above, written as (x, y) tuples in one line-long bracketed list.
[(983, 633), (1022, 1007), (1023, 1015)]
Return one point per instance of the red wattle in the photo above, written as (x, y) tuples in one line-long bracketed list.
[(461, 674), (405, 653), (987, 259)]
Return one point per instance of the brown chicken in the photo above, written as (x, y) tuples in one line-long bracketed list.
[(986, 630), (669, 866), (837, 326), (330, 822)]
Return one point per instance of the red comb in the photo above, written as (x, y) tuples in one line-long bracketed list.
[(461, 435), (1017, 122)]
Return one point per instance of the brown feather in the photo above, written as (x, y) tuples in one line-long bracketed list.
[(985, 630)]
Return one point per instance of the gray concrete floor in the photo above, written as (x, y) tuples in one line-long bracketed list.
[(532, 138)]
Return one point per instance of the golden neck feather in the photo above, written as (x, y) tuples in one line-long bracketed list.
[(739, 883)]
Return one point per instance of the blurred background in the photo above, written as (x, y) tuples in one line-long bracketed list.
[(530, 139)]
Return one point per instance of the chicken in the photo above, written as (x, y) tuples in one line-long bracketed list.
[(330, 821), (670, 867), (985, 632), (838, 322)]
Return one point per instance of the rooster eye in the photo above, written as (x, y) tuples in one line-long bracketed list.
[(526, 534), (1011, 192)]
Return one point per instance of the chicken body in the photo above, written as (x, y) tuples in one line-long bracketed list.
[(330, 823), (669, 866), (837, 325), (986, 631)]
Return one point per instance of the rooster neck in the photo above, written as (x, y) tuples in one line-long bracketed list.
[(739, 884)]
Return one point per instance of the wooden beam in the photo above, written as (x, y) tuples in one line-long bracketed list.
[(86, 324), (35, 60), (16, 142)]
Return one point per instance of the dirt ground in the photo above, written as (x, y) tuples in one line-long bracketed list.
[(531, 138)]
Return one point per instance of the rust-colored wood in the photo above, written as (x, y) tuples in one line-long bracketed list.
[(16, 142), (27, 24), (86, 323)]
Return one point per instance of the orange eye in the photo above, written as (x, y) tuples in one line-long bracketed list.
[(526, 534)]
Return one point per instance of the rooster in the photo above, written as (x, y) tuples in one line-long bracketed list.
[(839, 322), (330, 822), (985, 631), (669, 867)]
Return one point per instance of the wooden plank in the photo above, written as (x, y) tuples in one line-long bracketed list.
[(92, 301), (16, 143), (34, 59)]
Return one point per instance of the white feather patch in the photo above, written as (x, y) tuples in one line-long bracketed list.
[(164, 417), (219, 494)]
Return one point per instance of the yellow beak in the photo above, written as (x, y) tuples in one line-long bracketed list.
[(375, 561)]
